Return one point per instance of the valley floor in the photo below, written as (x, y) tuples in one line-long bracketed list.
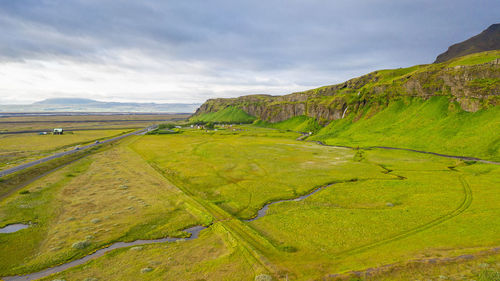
[(373, 214)]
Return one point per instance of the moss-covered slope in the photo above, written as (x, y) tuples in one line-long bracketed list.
[(229, 114), (299, 123), (434, 125)]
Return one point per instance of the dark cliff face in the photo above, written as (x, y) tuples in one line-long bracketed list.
[(472, 86), (487, 40)]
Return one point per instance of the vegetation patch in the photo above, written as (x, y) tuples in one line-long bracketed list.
[(429, 125), (298, 124), (229, 114), (81, 245)]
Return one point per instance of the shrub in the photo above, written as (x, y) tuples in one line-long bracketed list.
[(210, 126), (489, 275), (81, 245), (166, 126), (24, 192), (263, 277), (289, 249)]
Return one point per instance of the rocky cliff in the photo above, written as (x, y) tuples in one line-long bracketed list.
[(472, 81)]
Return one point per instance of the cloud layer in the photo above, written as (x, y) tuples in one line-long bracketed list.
[(188, 51)]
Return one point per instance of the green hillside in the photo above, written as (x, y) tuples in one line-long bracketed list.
[(449, 108), (434, 125), (298, 123), (229, 114)]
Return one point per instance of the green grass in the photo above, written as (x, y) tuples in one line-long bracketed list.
[(348, 226), (110, 196), (299, 123), (214, 256), (227, 115), (241, 173), (433, 125), (11, 182), (478, 58), (384, 207)]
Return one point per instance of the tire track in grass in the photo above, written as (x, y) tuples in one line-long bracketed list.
[(252, 243), (464, 205), (465, 158)]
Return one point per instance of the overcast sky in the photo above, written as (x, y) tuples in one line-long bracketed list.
[(189, 51)]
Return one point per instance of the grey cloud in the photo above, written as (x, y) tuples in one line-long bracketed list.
[(315, 42)]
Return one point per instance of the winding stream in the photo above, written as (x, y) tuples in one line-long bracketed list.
[(194, 231), (13, 227), (262, 212)]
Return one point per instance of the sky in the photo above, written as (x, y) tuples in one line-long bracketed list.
[(189, 51)]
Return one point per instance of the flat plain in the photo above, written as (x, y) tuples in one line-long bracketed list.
[(381, 213), (14, 123)]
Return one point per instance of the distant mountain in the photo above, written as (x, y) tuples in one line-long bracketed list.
[(89, 105), (487, 40), (67, 101)]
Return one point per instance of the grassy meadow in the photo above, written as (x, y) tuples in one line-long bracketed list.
[(381, 207), (109, 196)]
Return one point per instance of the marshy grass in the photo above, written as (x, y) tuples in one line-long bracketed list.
[(87, 204)]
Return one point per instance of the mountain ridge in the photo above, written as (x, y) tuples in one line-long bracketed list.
[(487, 40), (89, 105), (473, 81)]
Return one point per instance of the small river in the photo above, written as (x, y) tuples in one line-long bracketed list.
[(13, 228), (194, 231)]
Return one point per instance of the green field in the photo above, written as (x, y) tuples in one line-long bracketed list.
[(381, 207), (100, 199)]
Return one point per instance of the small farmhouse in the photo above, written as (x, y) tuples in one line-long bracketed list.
[(58, 131)]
